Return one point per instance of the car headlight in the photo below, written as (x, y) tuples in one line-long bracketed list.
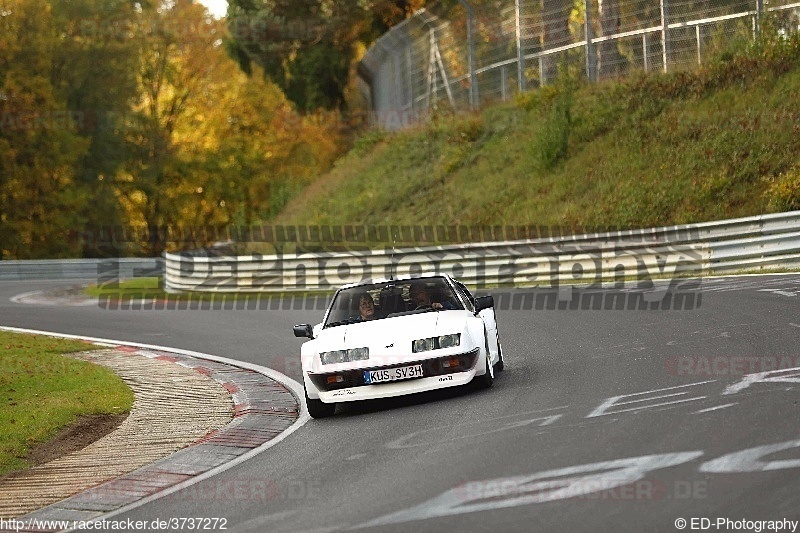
[(422, 345), (448, 341), (358, 354), (336, 356), (344, 356), (433, 343)]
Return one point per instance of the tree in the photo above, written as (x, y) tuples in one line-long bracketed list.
[(210, 146), (119, 111), (256, 147), (39, 139), (94, 74), (180, 51), (307, 47)]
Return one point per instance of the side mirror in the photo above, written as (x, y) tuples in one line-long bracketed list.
[(303, 330), (484, 302)]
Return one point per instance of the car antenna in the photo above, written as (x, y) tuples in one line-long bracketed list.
[(391, 260)]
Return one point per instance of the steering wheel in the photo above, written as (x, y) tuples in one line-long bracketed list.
[(423, 306)]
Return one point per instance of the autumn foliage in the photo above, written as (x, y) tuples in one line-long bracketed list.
[(122, 113)]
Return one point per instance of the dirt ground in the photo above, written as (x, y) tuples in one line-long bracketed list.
[(74, 437)]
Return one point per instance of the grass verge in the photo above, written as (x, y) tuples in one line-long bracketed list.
[(652, 150), (42, 391)]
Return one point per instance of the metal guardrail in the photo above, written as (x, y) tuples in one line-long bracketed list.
[(765, 241), (80, 269)]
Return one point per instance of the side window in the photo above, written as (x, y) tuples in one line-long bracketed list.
[(465, 295)]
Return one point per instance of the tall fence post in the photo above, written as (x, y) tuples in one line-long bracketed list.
[(409, 80), (591, 59), (541, 61), (664, 33), (473, 81), (431, 70), (759, 14), (436, 62), (699, 44), (520, 53), (644, 50)]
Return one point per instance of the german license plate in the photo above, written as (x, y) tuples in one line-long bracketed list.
[(392, 374)]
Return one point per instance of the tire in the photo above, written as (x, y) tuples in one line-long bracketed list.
[(487, 379), (319, 409)]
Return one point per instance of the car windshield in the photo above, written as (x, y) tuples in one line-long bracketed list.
[(391, 298)]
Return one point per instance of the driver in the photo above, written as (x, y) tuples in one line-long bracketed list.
[(366, 307), (421, 297)]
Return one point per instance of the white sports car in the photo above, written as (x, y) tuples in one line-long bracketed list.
[(392, 337)]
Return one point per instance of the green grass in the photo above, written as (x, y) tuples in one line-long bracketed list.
[(652, 150), (145, 287), (42, 391)]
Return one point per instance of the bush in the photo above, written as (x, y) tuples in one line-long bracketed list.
[(368, 140), (783, 193), (552, 142)]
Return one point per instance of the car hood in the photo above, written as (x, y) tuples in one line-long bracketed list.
[(391, 336)]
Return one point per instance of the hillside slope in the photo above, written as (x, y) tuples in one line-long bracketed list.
[(652, 150)]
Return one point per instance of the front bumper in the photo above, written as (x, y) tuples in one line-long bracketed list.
[(439, 372)]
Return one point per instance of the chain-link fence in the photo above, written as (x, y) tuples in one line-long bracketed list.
[(464, 55)]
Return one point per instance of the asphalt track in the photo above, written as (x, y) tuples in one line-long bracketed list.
[(604, 420)]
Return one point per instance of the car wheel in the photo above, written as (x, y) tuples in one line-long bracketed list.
[(487, 379), (319, 409)]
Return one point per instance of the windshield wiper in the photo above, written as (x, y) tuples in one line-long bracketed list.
[(340, 323)]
